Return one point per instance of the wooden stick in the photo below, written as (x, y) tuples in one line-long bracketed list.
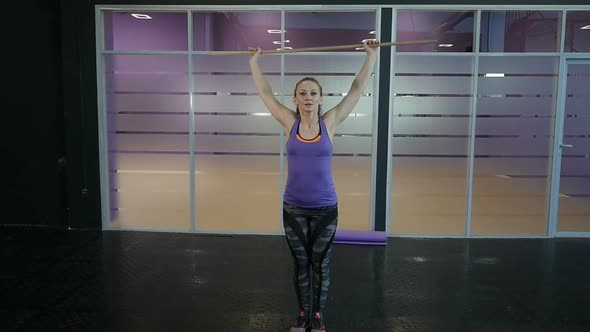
[(323, 48)]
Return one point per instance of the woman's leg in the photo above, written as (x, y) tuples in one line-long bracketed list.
[(296, 226), (322, 230)]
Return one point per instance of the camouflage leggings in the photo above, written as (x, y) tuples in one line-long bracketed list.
[(309, 233)]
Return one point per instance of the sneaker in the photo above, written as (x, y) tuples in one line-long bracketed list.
[(300, 323), (317, 323)]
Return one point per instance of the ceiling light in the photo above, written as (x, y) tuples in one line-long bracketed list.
[(494, 74), (274, 31), (445, 45), (373, 32), (285, 48), (370, 39), (585, 27), (142, 16), (278, 42)]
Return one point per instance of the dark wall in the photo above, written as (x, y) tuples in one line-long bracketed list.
[(32, 142), (53, 106)]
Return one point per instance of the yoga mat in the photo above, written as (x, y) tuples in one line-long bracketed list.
[(361, 237)]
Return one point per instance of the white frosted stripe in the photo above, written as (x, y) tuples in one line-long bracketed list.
[(154, 198), (578, 85), (575, 186), (447, 166), (330, 84), (351, 166), (517, 85), (149, 142), (225, 64), (518, 65), (577, 105), (512, 166), (432, 85), (431, 105), (511, 126), (521, 186), (229, 104), (438, 126), (364, 107), (248, 124), (253, 104), (514, 204), (148, 122), (247, 184), (324, 63), (128, 182), (148, 102), (242, 83), (231, 83), (429, 145), (147, 63), (240, 164), (575, 165), (433, 64), (146, 162), (217, 143), (352, 144), (515, 105), (414, 205), (150, 83), (575, 205), (356, 125), (577, 126), (523, 146), (432, 185)]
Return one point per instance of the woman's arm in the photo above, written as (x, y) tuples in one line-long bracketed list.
[(282, 114), (340, 112)]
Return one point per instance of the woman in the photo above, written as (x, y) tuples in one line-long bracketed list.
[(310, 210)]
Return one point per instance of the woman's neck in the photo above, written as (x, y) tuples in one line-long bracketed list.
[(309, 119)]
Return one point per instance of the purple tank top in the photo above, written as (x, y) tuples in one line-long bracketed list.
[(309, 182)]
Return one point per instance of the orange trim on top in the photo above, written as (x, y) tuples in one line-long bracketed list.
[(301, 139)]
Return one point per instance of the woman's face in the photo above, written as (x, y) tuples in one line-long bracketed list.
[(307, 96)]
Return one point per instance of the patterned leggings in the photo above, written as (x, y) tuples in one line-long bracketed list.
[(310, 233)]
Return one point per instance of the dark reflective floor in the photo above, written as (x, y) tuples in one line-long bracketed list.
[(137, 281)]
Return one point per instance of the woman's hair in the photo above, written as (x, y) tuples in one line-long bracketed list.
[(311, 79)]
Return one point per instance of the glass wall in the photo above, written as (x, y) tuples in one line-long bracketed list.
[(514, 135), (191, 147), (238, 174), (430, 123), (574, 187)]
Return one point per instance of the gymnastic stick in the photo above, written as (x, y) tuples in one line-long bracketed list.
[(323, 48)]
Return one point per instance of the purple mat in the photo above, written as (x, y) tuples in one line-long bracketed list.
[(375, 238)]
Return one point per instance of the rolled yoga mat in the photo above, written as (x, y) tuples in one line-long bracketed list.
[(373, 238)]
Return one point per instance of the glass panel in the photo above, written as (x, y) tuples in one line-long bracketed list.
[(147, 115), (235, 31), (315, 29), (574, 188), (514, 128), (577, 32), (237, 146), (520, 31), (431, 110), (135, 31), (452, 29), (353, 139)]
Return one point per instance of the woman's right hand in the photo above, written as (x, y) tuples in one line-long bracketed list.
[(257, 53)]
